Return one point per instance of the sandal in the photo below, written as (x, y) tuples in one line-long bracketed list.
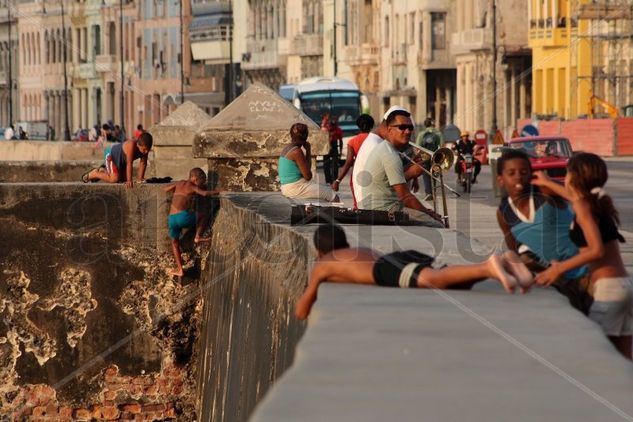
[(85, 177)]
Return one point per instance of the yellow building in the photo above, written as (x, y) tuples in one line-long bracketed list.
[(579, 49)]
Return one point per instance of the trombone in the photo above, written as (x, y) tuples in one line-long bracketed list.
[(440, 160)]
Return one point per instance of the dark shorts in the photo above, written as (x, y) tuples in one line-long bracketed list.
[(400, 269)]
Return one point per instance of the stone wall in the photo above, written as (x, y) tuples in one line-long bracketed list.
[(248, 337), (92, 326), (44, 171), (49, 151)]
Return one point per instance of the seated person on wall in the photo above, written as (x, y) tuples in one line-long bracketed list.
[(294, 169), (340, 263), (119, 160), (385, 183), (361, 179)]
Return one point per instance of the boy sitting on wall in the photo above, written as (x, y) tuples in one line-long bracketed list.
[(181, 215)]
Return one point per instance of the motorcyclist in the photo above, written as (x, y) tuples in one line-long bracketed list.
[(465, 145)]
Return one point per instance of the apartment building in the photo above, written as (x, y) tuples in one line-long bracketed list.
[(478, 104), (9, 54)]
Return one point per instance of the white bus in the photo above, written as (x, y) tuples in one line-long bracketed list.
[(338, 97)]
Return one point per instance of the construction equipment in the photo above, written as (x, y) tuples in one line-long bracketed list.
[(609, 108)]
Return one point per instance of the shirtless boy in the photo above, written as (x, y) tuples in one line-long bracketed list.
[(180, 214), (340, 263)]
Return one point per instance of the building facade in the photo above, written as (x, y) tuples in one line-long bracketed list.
[(479, 102), (9, 56), (581, 50)]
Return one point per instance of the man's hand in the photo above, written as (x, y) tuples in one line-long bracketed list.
[(129, 184), (335, 185)]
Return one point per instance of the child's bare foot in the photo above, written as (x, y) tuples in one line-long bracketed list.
[(302, 309), (495, 264), (518, 269), (201, 239), (177, 273)]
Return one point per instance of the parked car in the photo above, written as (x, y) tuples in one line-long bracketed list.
[(547, 153)]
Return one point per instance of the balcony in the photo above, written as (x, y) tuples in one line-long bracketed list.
[(471, 40), (85, 70), (307, 45), (556, 37), (211, 52), (364, 54), (261, 54), (105, 63)]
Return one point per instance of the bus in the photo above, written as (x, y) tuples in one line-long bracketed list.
[(338, 97)]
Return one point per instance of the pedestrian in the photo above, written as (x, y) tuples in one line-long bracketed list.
[(431, 139), (9, 133), (182, 214), (595, 231), (338, 262), (331, 160), (365, 123)]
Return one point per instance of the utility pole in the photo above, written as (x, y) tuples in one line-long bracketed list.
[(10, 67), (66, 136), (182, 58), (334, 42), (493, 131), (231, 81), (122, 74)]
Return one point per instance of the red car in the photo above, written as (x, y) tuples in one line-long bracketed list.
[(547, 153)]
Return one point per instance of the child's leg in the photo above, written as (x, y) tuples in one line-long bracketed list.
[(175, 247), (201, 223), (95, 174), (442, 278)]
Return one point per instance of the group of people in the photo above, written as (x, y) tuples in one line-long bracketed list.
[(567, 235), (11, 135)]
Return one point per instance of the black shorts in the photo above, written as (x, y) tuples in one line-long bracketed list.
[(400, 269)]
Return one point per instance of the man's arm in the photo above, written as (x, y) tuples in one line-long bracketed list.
[(170, 188)]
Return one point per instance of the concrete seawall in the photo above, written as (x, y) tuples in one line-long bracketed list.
[(49, 151)]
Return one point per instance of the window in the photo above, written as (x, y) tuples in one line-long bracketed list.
[(438, 36), (386, 30)]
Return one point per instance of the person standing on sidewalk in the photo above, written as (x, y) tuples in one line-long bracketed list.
[(330, 161), (365, 123), (430, 138)]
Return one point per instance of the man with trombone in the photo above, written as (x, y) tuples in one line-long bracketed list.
[(386, 186)]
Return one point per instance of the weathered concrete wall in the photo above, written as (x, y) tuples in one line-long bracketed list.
[(48, 150), (256, 272), (92, 325), (44, 171)]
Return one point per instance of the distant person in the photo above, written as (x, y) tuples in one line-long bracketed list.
[(365, 123), (50, 133), (339, 263), (22, 136), (93, 133), (119, 162), (116, 134), (9, 133), (431, 139), (465, 145), (552, 149), (540, 149), (139, 130), (595, 231), (294, 170), (331, 160), (182, 214)]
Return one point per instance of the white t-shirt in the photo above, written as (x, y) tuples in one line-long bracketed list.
[(383, 170), (8, 133), (360, 164)]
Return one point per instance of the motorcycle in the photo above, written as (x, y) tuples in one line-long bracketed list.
[(465, 176)]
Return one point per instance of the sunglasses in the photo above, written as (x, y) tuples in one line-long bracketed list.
[(402, 128)]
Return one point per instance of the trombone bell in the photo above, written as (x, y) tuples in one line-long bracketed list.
[(442, 158)]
